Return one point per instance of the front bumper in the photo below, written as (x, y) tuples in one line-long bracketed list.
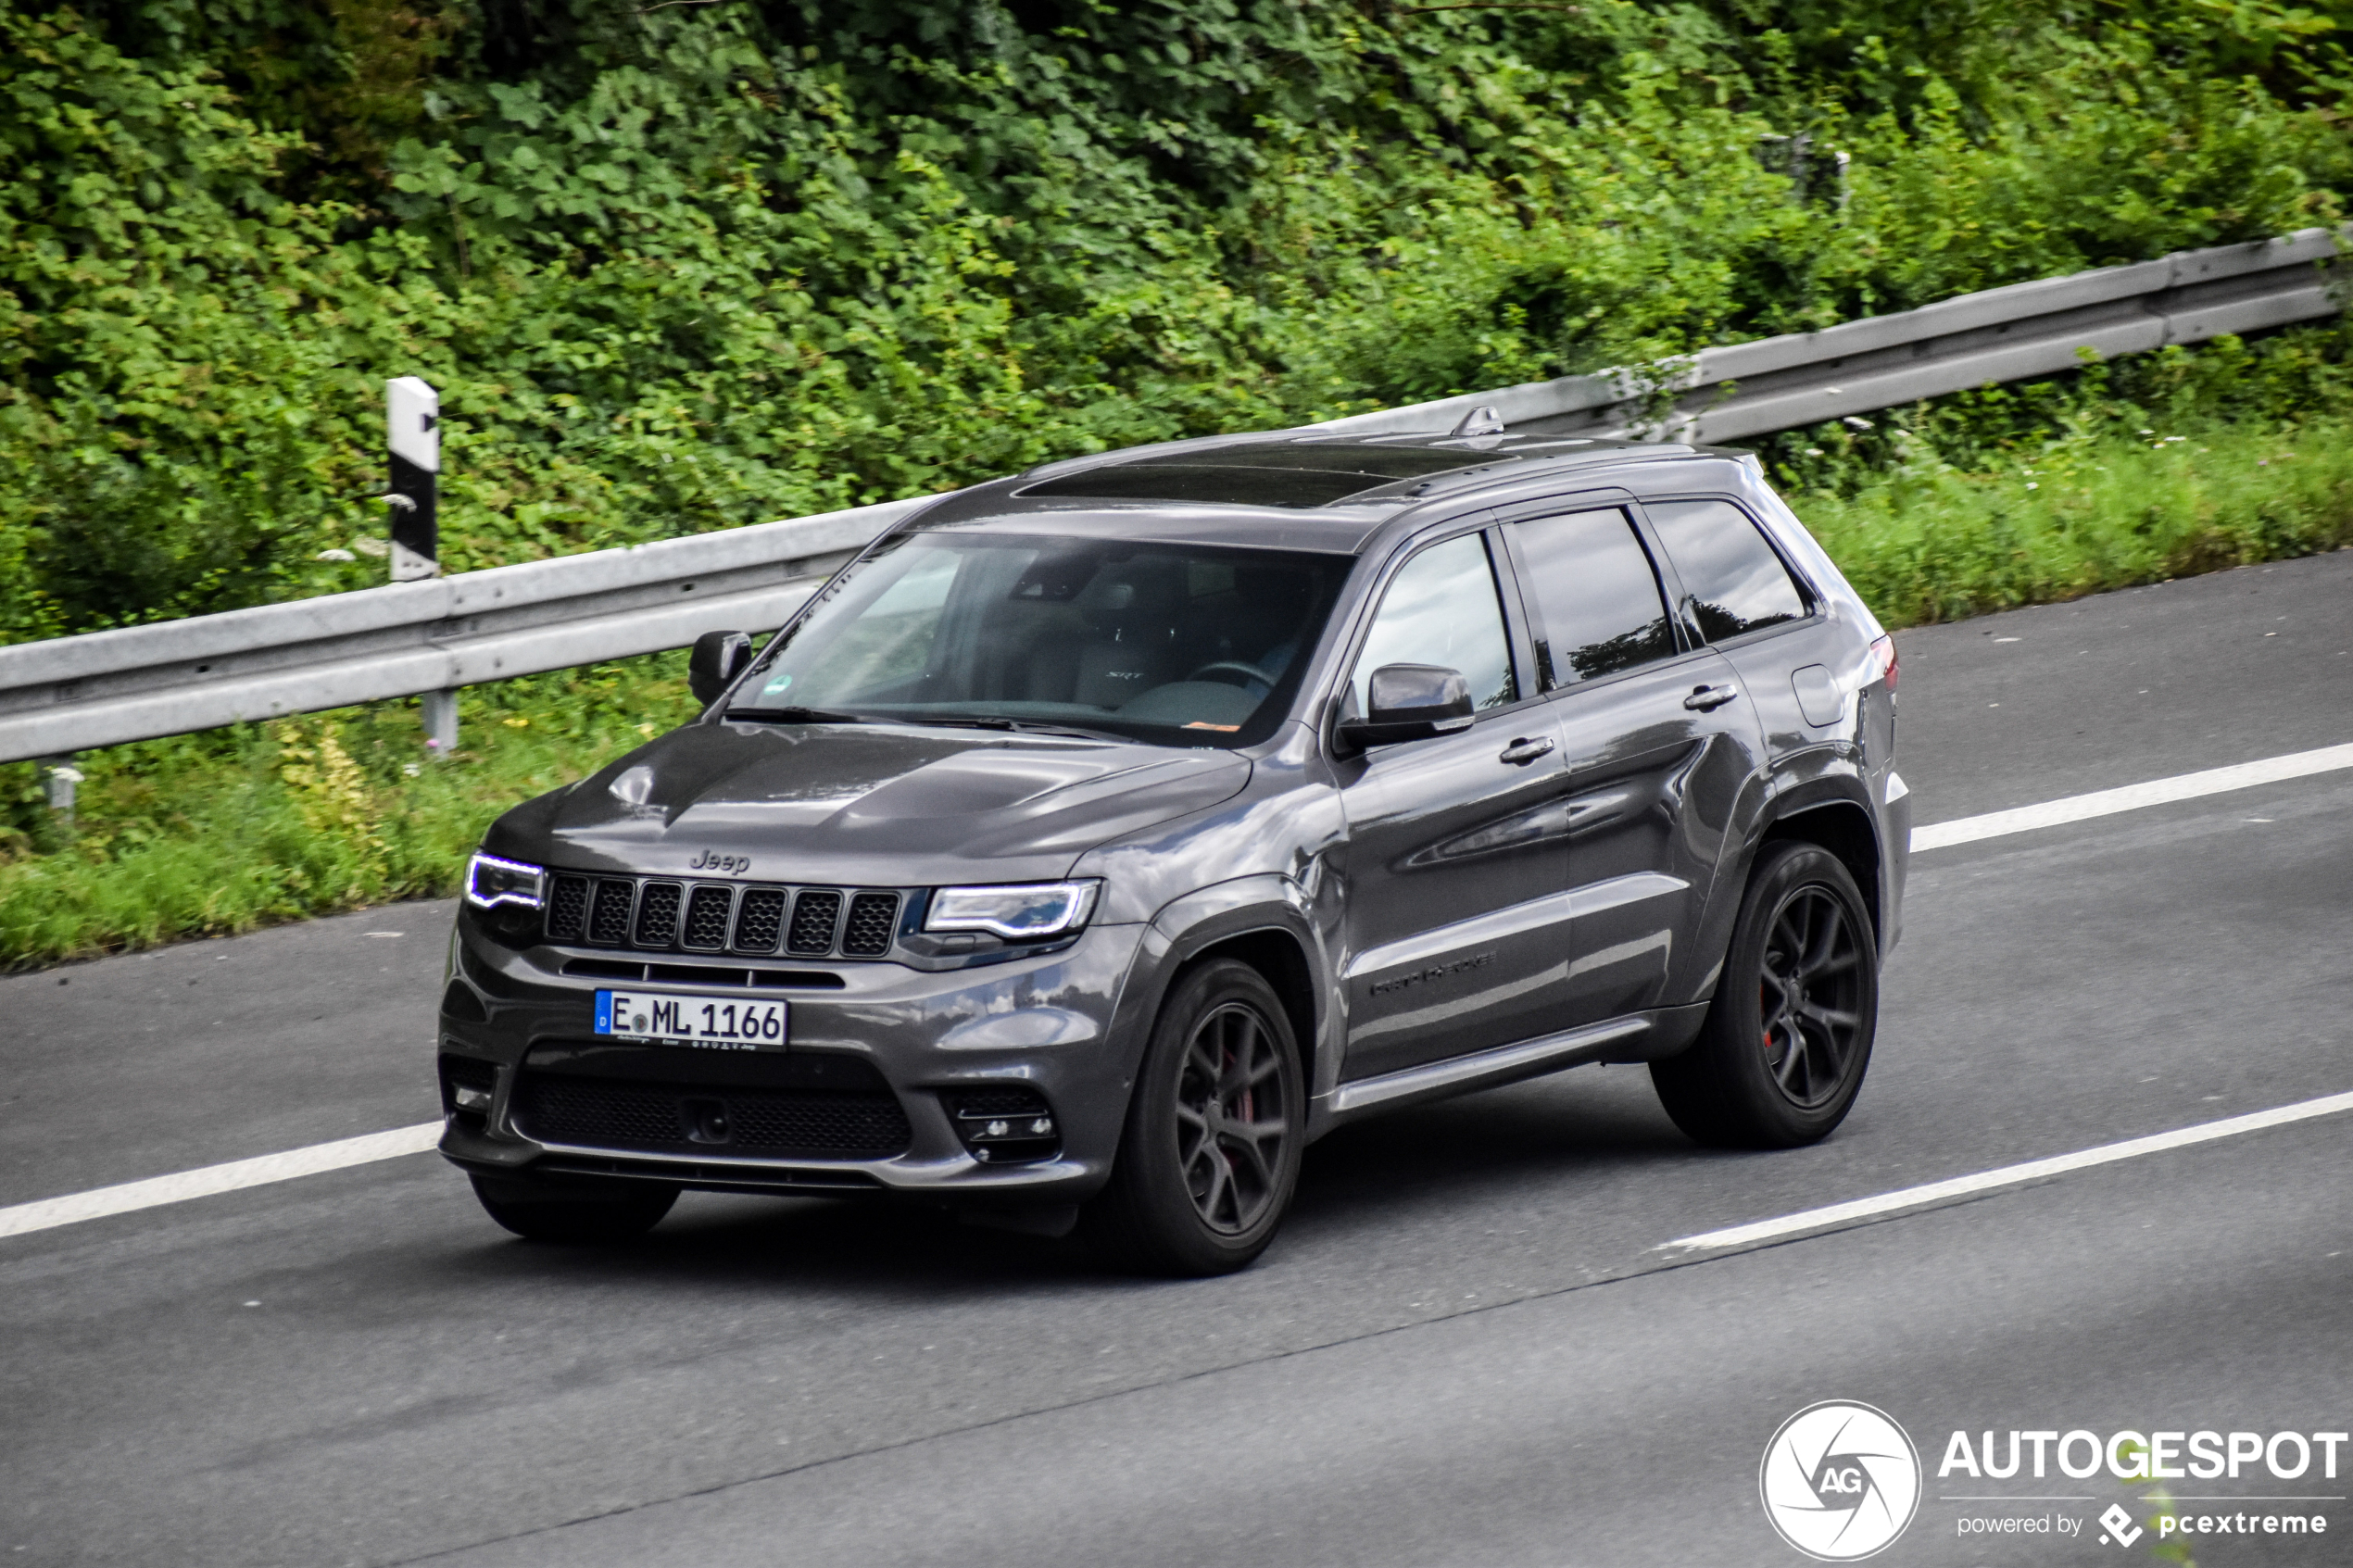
[(1048, 1023)]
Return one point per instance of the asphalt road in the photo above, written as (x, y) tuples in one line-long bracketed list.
[(1467, 1347)]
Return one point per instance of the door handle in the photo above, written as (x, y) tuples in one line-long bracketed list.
[(1525, 751), (1704, 697)]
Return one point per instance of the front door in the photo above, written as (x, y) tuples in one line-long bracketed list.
[(1658, 738), (1455, 861)]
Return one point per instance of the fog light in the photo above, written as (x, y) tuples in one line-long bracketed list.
[(1004, 1126), (466, 1097)]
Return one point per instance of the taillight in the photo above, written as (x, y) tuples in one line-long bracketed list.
[(1884, 651)]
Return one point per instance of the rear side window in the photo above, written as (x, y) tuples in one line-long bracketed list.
[(1596, 600), (1733, 579), (1442, 610)]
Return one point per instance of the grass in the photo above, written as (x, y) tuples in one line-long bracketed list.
[(211, 834), (1926, 542), (221, 833)]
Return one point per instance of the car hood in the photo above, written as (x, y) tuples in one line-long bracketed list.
[(874, 805)]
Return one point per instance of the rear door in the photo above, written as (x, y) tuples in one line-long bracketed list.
[(1658, 739), (1455, 862), (1741, 599)]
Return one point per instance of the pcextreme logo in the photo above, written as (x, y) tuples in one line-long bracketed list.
[(1840, 1480)]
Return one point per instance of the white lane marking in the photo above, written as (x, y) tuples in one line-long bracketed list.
[(99, 1202), (204, 1182), (2009, 1175), (2131, 797)]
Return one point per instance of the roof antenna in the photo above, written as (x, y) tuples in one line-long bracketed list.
[(1481, 420)]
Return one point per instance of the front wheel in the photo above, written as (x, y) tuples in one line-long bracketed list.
[(583, 1211), (1782, 1056), (1210, 1155)]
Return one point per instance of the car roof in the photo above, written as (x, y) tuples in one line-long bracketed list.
[(1288, 490)]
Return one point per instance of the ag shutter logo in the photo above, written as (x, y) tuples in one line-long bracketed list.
[(1840, 1481)]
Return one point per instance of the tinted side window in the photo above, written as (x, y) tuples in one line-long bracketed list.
[(1596, 599), (1442, 608), (1735, 581)]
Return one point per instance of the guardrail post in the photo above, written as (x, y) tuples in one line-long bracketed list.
[(60, 775), (412, 415), (441, 723)]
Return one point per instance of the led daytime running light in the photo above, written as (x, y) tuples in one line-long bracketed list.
[(1016, 911), (491, 882)]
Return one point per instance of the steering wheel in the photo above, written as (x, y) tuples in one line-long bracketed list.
[(1234, 666)]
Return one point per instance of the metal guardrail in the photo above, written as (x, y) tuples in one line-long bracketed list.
[(177, 676), (408, 639), (2040, 328)]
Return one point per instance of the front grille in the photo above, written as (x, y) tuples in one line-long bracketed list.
[(609, 913), (679, 1119), (871, 916), (707, 918), (759, 919), (567, 910), (662, 915), (658, 914), (813, 915)]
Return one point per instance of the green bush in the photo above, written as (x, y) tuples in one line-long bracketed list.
[(687, 267), (684, 267)]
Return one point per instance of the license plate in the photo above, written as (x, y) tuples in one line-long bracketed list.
[(732, 1023)]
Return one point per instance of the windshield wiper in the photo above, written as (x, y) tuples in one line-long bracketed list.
[(792, 716), (1022, 726)]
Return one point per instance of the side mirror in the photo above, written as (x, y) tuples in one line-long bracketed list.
[(718, 659), (1411, 702)]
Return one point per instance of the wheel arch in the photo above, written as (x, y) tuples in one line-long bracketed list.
[(1261, 920), (1840, 822)]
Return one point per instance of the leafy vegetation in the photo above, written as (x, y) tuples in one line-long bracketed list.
[(687, 266), (690, 265)]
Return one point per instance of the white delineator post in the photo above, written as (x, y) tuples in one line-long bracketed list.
[(60, 775), (412, 412), (412, 418)]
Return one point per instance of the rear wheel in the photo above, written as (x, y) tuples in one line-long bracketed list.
[(1788, 1036), (1210, 1155), (583, 1210)]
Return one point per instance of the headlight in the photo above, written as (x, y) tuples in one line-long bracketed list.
[(1027, 909), (491, 882)]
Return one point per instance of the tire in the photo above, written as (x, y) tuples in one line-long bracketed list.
[(1194, 1192), (578, 1210), (1787, 1040)]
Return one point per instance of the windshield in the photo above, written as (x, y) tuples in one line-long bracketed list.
[(1180, 645)]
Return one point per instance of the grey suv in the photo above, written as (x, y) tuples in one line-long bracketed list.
[(1101, 837)]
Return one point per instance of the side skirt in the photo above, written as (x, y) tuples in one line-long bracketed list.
[(1639, 1036)]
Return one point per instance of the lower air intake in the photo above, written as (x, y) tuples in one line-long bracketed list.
[(680, 1119)]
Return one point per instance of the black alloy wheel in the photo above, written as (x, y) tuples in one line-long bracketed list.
[(1210, 1155), (1229, 1115), (1810, 994), (1788, 1038)]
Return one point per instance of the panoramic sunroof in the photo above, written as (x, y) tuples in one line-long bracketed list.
[(1272, 473)]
